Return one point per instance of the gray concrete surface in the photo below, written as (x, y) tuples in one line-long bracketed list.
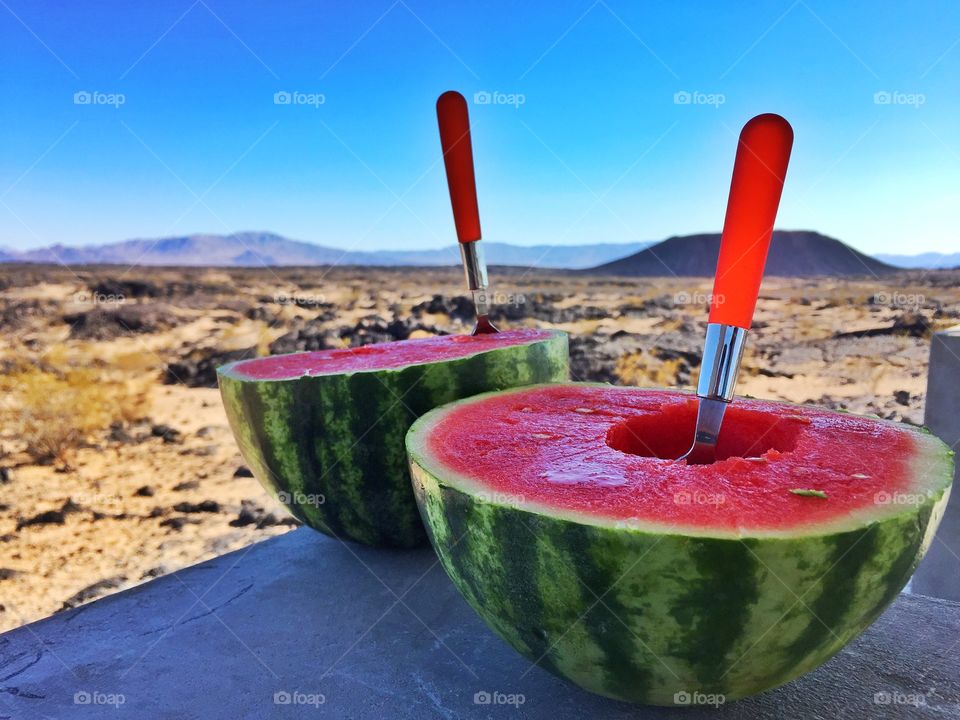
[(939, 573), (378, 634)]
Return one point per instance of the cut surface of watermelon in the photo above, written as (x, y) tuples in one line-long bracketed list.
[(560, 515), (610, 454), (324, 431), (380, 356)]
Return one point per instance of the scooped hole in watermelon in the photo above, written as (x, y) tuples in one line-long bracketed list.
[(668, 433)]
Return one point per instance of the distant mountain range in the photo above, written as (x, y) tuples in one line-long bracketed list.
[(256, 249), (793, 253), (931, 260)]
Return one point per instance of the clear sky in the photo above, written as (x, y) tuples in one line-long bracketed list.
[(587, 140)]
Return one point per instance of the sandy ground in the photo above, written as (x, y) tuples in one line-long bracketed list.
[(155, 482)]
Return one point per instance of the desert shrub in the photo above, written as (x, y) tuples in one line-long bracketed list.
[(644, 370), (52, 411)]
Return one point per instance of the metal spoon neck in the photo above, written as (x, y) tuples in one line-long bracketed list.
[(722, 353), (475, 269)]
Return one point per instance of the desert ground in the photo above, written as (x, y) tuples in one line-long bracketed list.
[(116, 461)]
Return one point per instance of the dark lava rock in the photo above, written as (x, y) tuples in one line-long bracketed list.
[(7, 573), (119, 434), (306, 338), (186, 485), (122, 288), (458, 307), (14, 314), (93, 591), (242, 471), (177, 523), (374, 329), (169, 434), (209, 506), (145, 491), (253, 514), (542, 307), (104, 324), (154, 572), (50, 517), (910, 324), (4, 475), (199, 368), (902, 397), (591, 360)]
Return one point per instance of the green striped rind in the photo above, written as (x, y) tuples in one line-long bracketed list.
[(330, 447), (642, 615)]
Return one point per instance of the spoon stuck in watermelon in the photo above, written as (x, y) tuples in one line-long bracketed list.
[(454, 123), (763, 152), (323, 431), (559, 513)]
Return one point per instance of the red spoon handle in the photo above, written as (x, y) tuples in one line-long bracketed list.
[(758, 172), (458, 157)]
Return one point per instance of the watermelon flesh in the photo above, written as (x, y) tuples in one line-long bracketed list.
[(562, 516), (381, 356), (323, 431), (609, 454)]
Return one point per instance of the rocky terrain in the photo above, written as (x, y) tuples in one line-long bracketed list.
[(116, 462)]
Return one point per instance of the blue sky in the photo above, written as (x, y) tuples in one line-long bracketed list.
[(586, 141)]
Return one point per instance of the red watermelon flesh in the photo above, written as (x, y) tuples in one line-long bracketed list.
[(609, 454), (382, 356)]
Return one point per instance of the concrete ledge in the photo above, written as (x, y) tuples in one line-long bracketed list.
[(939, 573), (382, 634)]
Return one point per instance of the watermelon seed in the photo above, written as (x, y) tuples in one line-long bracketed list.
[(860, 476), (585, 411), (809, 493), (756, 459), (543, 436)]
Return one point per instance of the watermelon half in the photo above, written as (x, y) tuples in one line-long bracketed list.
[(323, 431), (561, 517)]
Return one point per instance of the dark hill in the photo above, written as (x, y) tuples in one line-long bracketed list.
[(793, 253)]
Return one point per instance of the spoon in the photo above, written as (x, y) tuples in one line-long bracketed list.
[(758, 172), (458, 158)]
